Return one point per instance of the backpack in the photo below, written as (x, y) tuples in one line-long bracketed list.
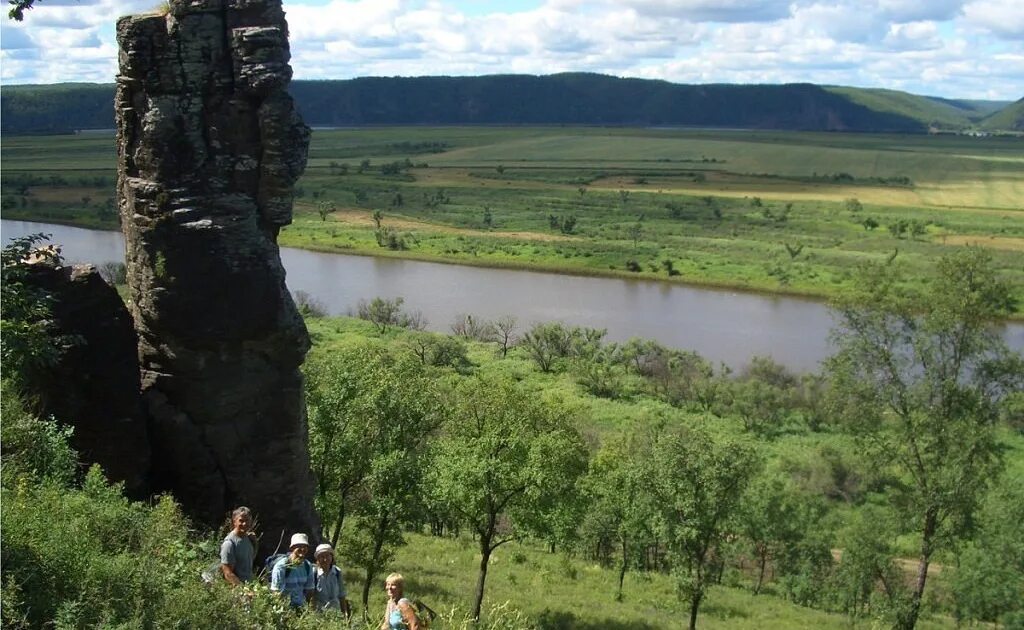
[(424, 614), (271, 561)]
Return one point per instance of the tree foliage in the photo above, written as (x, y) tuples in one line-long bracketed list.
[(27, 340), (504, 464), (698, 484), (920, 377)]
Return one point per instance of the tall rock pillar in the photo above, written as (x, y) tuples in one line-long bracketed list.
[(209, 147)]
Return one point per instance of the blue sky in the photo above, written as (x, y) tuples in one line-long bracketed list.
[(950, 48)]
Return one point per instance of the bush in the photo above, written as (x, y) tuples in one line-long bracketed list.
[(308, 305), (33, 448)]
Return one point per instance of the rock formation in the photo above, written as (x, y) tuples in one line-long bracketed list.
[(209, 147), (94, 384)]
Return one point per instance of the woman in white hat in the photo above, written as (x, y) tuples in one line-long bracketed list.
[(330, 585), (292, 575)]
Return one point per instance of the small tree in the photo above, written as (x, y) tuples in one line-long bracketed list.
[(546, 343), (620, 504), (385, 314), (505, 331), (698, 484), (635, 231), (504, 463), (324, 208)]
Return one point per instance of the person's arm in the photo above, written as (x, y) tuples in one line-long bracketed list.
[(229, 574), (409, 615), (227, 562), (277, 577)]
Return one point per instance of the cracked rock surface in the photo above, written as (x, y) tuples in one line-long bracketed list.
[(209, 148)]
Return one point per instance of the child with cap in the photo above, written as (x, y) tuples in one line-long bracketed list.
[(293, 575), (330, 585)]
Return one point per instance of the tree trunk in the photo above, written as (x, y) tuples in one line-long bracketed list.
[(485, 557), (373, 564), (762, 560), (694, 605), (337, 526), (908, 620), (622, 571)]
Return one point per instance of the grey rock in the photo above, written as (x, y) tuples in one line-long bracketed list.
[(209, 149)]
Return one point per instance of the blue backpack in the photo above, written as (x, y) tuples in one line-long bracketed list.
[(271, 561)]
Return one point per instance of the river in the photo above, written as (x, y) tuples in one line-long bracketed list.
[(723, 326)]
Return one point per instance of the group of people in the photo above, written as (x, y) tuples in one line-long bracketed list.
[(320, 585)]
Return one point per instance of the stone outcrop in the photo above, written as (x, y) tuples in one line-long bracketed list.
[(209, 148), (94, 384)]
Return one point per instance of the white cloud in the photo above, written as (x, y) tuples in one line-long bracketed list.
[(1004, 18), (942, 47)]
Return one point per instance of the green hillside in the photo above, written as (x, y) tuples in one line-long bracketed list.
[(563, 99), (1010, 117), (934, 113)]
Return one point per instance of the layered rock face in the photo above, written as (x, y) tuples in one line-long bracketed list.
[(209, 147)]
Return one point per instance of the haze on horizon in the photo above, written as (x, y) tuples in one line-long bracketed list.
[(950, 48)]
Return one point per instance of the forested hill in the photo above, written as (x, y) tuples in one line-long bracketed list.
[(586, 99)]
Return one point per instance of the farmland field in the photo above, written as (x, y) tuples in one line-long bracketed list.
[(781, 212)]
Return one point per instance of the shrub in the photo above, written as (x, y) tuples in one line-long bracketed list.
[(34, 448)]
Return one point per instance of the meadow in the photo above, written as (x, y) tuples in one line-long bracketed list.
[(780, 212)]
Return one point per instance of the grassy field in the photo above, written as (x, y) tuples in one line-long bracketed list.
[(777, 212), (571, 593)]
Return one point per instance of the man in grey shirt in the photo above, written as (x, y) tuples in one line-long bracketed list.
[(237, 551)]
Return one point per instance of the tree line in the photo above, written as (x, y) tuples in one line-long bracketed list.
[(568, 98)]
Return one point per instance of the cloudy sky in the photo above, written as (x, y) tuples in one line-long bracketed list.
[(950, 48)]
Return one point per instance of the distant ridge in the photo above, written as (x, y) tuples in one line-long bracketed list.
[(570, 99)]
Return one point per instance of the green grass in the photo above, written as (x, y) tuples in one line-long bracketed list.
[(693, 191)]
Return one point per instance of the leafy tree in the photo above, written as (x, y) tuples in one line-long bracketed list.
[(324, 208), (504, 463), (27, 341), (698, 484), (439, 350), (920, 378), (599, 371), (762, 396), (867, 580), (546, 343), (989, 580), (388, 313), (369, 415), (620, 507), (777, 520)]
